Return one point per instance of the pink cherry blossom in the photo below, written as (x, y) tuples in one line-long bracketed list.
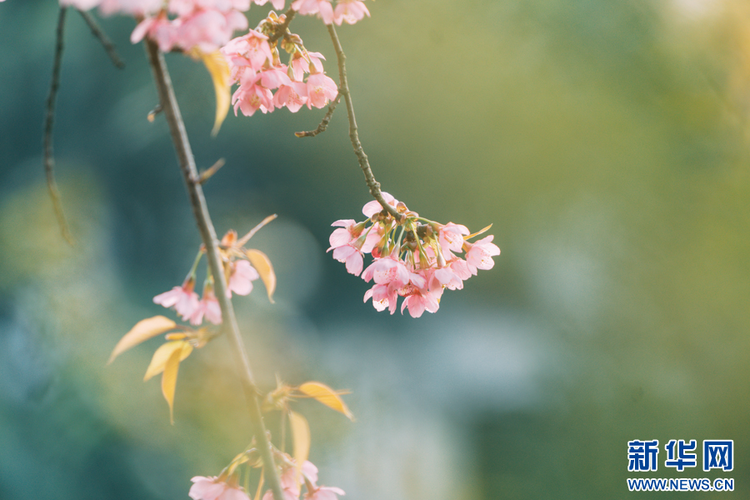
[(479, 255), (300, 65), (311, 7), (291, 482), (292, 96), (241, 278), (320, 90), (277, 4), (251, 50), (208, 307), (210, 488), (274, 77), (207, 29), (373, 207), (349, 11), (251, 98), (182, 298), (451, 236), (419, 299), (159, 29), (387, 271), (324, 493)]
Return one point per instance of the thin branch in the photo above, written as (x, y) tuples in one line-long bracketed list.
[(281, 29), (364, 163), (324, 122), (109, 47), (207, 174), (208, 235), (49, 120)]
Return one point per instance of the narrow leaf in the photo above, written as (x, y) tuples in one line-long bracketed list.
[(221, 76), (162, 355), (327, 396), (142, 331), (260, 484), (301, 438), (262, 264), (169, 381), (483, 230)]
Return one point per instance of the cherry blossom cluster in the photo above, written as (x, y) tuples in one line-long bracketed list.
[(227, 488), (256, 66), (179, 24), (413, 257), (208, 24), (186, 302)]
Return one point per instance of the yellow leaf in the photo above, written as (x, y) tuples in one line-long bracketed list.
[(169, 381), (162, 355), (327, 396), (301, 438), (483, 230), (262, 264), (221, 75), (142, 331)]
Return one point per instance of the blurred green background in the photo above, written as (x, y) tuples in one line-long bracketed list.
[(606, 141)]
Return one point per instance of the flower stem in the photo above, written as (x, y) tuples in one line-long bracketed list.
[(208, 235), (364, 163)]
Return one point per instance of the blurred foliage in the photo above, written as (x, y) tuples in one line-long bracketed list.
[(606, 141)]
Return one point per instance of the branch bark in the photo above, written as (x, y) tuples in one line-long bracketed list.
[(208, 235)]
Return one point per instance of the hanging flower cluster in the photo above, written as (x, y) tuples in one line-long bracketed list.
[(208, 24), (241, 268), (414, 257), (178, 24), (255, 65), (227, 488), (294, 471)]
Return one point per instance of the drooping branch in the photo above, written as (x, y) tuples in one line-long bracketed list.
[(100, 35), (49, 120), (364, 163), (208, 235), (324, 122)]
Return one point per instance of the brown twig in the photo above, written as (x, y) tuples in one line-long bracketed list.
[(364, 163), (208, 235), (49, 120), (324, 122), (207, 174), (100, 35)]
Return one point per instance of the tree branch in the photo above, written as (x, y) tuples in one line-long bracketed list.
[(100, 35), (208, 235), (324, 122), (49, 120), (364, 163)]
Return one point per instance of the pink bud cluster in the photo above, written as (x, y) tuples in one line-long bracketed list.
[(190, 307), (255, 65), (413, 257)]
